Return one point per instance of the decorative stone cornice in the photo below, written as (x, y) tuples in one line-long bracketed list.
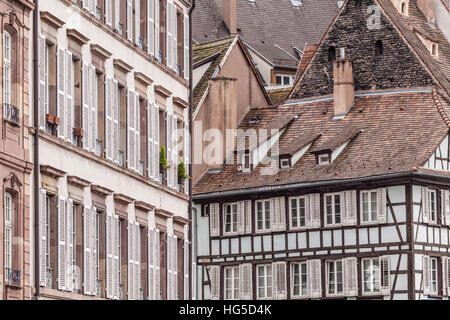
[(162, 91), (78, 182), (77, 36), (50, 19), (141, 205), (101, 190), (52, 172), (100, 51), (122, 66), (181, 220), (142, 78), (123, 198), (163, 213), (180, 102)]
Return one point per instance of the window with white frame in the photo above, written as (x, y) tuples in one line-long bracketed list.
[(230, 216), (48, 204), (323, 159), (231, 283), (264, 281), (335, 284), (434, 276), (369, 206), (284, 80), (246, 163), (298, 212), (285, 163), (263, 215), (333, 209), (432, 205), (299, 279), (7, 54), (8, 233), (371, 275)]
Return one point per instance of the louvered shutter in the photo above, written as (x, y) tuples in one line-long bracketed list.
[(70, 246), (169, 34), (169, 148), (109, 255), (131, 131), (186, 147), (307, 211), (245, 281), (175, 271), (131, 281), (447, 275), (108, 12), (150, 139), (350, 277), (157, 266), (109, 123), (241, 217), (156, 141), (314, 205), (69, 96), (116, 132), (137, 20), (385, 275), (151, 264), (94, 254), (381, 208), (61, 88), (350, 208), (137, 138), (186, 265), (43, 86), (445, 270), (157, 31), (116, 14), (314, 278), (426, 269), (43, 239), (186, 47), (87, 242), (274, 214), (214, 219), (445, 198), (151, 26), (62, 233), (194, 281), (214, 273), (279, 280), (169, 267), (86, 107), (137, 260), (86, 4), (130, 20), (174, 151), (425, 205), (174, 37), (93, 104), (116, 254), (248, 216)]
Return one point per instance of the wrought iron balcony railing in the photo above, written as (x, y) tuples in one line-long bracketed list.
[(98, 147), (49, 277), (121, 291), (141, 293), (98, 288), (12, 277), (11, 113)]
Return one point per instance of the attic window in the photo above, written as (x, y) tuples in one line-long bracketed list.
[(285, 163), (434, 50), (379, 48), (246, 165), (323, 159), (403, 8), (331, 53)]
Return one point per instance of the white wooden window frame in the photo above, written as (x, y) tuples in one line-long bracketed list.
[(285, 163), (291, 217), (374, 281), (246, 163), (267, 273), (235, 291), (9, 217), (335, 273), (333, 208), (434, 278), (233, 218), (300, 282), (7, 68), (369, 207), (433, 214), (321, 159), (265, 215)]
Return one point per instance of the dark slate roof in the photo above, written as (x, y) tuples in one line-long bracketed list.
[(265, 23), (389, 143)]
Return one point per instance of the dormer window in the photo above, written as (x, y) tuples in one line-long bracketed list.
[(246, 165), (285, 163), (434, 50), (331, 54), (403, 8), (323, 159)]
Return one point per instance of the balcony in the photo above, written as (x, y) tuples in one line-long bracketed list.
[(49, 277), (12, 277), (98, 288), (11, 113)]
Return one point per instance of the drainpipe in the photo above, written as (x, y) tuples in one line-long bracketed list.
[(191, 10), (36, 145)]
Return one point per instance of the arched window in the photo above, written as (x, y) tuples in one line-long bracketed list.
[(403, 8), (434, 49), (7, 59), (331, 53), (379, 48), (9, 213)]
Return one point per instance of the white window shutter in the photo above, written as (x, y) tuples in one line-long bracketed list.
[(186, 47), (109, 123), (350, 208), (381, 201), (151, 26), (86, 106), (174, 36), (157, 31), (94, 255), (446, 207), (248, 216), (150, 141), (425, 205), (445, 291), (186, 147), (116, 115), (109, 255), (385, 275), (447, 275), (43, 239), (214, 219), (43, 85), (241, 217), (131, 275), (282, 214), (87, 241), (157, 265), (308, 220), (70, 245), (169, 277), (214, 274), (175, 153), (156, 141), (426, 269), (314, 278), (175, 271), (93, 108), (69, 96), (108, 12), (186, 265), (279, 280), (314, 208), (351, 277), (117, 14), (130, 20), (116, 255), (169, 34), (151, 264), (131, 147), (61, 88), (169, 148), (137, 260), (246, 281), (137, 20), (137, 137), (62, 233)]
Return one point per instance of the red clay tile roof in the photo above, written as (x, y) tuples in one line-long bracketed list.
[(306, 58), (401, 131), (336, 140), (265, 23), (279, 95), (301, 141)]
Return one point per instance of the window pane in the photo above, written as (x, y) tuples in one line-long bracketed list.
[(365, 206), (337, 209), (302, 212), (373, 201), (294, 213)]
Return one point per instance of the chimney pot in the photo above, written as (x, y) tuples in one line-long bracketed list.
[(344, 87), (230, 15)]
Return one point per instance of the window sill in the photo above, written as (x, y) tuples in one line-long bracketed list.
[(13, 286), (12, 123)]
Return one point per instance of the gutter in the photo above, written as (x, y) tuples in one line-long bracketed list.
[(191, 99), (36, 146), (286, 187)]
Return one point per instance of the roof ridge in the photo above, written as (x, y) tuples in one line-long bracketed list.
[(439, 107)]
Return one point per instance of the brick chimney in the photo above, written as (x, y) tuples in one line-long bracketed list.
[(428, 9), (344, 86), (230, 15)]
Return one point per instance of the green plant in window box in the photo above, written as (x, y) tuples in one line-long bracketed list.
[(163, 166), (182, 172)]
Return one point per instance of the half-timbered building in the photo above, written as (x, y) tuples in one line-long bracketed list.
[(111, 124), (348, 197)]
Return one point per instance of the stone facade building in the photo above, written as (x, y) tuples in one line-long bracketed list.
[(15, 165)]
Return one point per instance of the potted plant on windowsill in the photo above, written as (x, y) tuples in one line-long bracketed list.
[(163, 166), (182, 176)]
